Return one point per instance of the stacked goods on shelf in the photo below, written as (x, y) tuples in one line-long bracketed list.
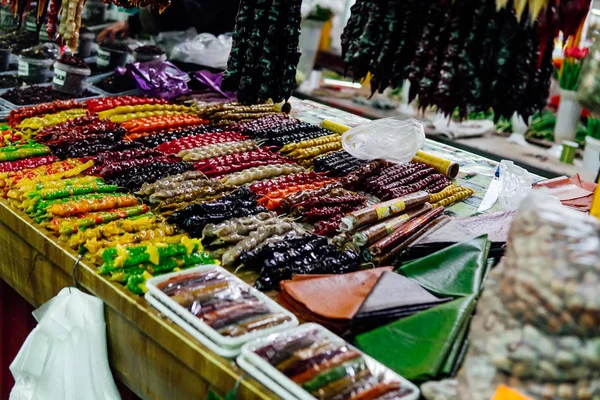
[(470, 55)]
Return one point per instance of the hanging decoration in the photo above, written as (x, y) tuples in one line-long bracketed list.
[(470, 55), (263, 59)]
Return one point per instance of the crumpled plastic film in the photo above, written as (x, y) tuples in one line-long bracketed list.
[(65, 356), (389, 139)]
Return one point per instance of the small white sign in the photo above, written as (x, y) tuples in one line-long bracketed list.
[(23, 68), (103, 59), (59, 77)]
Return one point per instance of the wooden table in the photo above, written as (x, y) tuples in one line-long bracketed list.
[(153, 357)]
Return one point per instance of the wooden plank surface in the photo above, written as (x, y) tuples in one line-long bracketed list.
[(153, 357)]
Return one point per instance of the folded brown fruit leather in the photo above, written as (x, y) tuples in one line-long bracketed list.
[(335, 296), (394, 291)]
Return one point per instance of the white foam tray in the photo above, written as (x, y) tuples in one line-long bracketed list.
[(224, 342), (275, 376)]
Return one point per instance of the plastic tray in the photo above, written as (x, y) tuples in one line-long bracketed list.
[(264, 379), (287, 384), (97, 78), (224, 352), (7, 104), (220, 340)]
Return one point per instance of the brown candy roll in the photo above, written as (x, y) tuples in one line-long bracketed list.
[(299, 197), (446, 167), (388, 258), (358, 176), (404, 232), (377, 212), (375, 232)]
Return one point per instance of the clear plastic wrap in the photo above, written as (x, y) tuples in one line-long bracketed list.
[(537, 327), (515, 183), (390, 139), (221, 303), (311, 362)]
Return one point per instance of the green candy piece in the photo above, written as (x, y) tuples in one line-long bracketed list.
[(353, 367)]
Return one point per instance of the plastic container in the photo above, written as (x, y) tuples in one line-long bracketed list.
[(109, 59), (567, 116), (142, 57), (260, 368), (4, 59), (591, 154), (86, 44), (226, 346), (69, 79), (35, 71)]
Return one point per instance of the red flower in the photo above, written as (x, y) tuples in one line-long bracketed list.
[(576, 52)]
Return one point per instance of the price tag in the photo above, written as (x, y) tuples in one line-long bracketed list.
[(23, 68), (103, 59), (59, 77)]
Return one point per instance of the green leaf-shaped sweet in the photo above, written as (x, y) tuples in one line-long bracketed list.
[(455, 271)]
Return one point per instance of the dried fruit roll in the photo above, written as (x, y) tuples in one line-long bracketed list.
[(370, 235), (389, 256), (458, 196), (404, 231), (377, 212), (216, 150), (316, 150), (99, 203), (262, 172), (310, 143), (71, 225), (443, 166), (447, 191)]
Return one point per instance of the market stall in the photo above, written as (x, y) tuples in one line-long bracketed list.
[(244, 243), (136, 331)]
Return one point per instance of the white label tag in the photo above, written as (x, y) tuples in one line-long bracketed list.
[(103, 59), (59, 77), (23, 68)]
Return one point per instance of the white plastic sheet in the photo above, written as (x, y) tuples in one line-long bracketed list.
[(65, 356)]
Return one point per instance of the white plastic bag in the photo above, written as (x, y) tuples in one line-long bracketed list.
[(65, 356), (515, 184), (390, 139), (205, 49)]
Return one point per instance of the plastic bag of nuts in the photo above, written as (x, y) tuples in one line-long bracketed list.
[(537, 326)]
